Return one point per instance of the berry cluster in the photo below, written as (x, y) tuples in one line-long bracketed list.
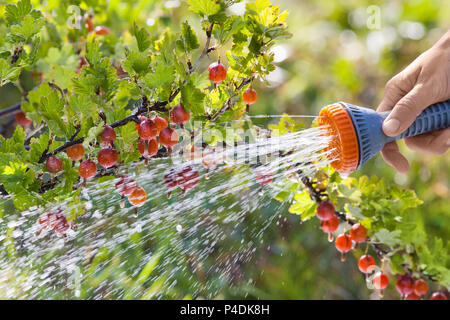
[(409, 288), (55, 221), (185, 178), (127, 187)]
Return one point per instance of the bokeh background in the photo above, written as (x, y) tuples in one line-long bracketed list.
[(340, 50)]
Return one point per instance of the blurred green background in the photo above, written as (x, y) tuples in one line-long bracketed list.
[(340, 50)]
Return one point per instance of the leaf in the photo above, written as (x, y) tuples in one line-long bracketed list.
[(15, 13), (142, 38), (148, 268), (304, 206), (193, 99), (27, 29), (204, 7), (163, 74), (189, 37), (93, 52), (8, 73), (390, 238)]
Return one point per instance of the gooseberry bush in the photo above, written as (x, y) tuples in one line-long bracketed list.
[(105, 98)]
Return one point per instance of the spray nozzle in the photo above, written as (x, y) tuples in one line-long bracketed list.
[(357, 133)]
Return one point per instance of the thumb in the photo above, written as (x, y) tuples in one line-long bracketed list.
[(406, 110)]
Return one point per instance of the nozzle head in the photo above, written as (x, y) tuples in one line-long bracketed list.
[(343, 148)]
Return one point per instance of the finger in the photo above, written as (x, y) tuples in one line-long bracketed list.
[(394, 158), (398, 87), (406, 110), (436, 142)]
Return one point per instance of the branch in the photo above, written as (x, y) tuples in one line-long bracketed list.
[(317, 196), (229, 104), (206, 50)]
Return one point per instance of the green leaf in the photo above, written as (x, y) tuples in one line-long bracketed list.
[(27, 29), (390, 238), (304, 206), (8, 73), (204, 7), (189, 37), (142, 38), (148, 268), (15, 13), (193, 99), (163, 74)]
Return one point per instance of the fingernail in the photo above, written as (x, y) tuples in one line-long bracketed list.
[(390, 127)]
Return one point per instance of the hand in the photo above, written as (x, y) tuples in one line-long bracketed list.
[(424, 82)]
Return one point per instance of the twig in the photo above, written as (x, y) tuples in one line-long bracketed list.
[(229, 104)]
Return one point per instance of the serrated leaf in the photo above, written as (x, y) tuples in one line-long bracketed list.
[(204, 7), (189, 37), (163, 74), (389, 238), (193, 99), (142, 38)]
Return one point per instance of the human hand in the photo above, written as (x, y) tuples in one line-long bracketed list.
[(424, 82)]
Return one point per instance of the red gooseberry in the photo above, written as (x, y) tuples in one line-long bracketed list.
[(107, 157), (54, 164), (22, 119), (343, 243), (179, 115), (250, 96), (404, 284), (420, 287), (108, 135), (168, 137), (137, 197), (330, 226), (75, 152), (438, 296), (161, 123), (148, 148), (147, 129), (325, 211), (87, 169), (358, 233), (380, 281), (366, 264), (217, 72)]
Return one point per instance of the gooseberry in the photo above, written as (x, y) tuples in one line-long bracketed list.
[(404, 284), (330, 226), (325, 211), (75, 152), (137, 197), (161, 123), (438, 296), (54, 164), (380, 281), (366, 264), (358, 233), (420, 287), (107, 157), (179, 115), (87, 169), (250, 96), (148, 148), (147, 129), (108, 135), (22, 119), (168, 137), (343, 243), (217, 72)]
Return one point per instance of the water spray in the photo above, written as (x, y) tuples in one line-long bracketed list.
[(357, 133)]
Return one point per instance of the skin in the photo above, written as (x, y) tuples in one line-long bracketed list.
[(424, 82)]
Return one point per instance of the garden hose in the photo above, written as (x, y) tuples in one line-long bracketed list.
[(357, 133)]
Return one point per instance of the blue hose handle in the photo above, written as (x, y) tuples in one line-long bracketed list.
[(435, 117), (368, 127)]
